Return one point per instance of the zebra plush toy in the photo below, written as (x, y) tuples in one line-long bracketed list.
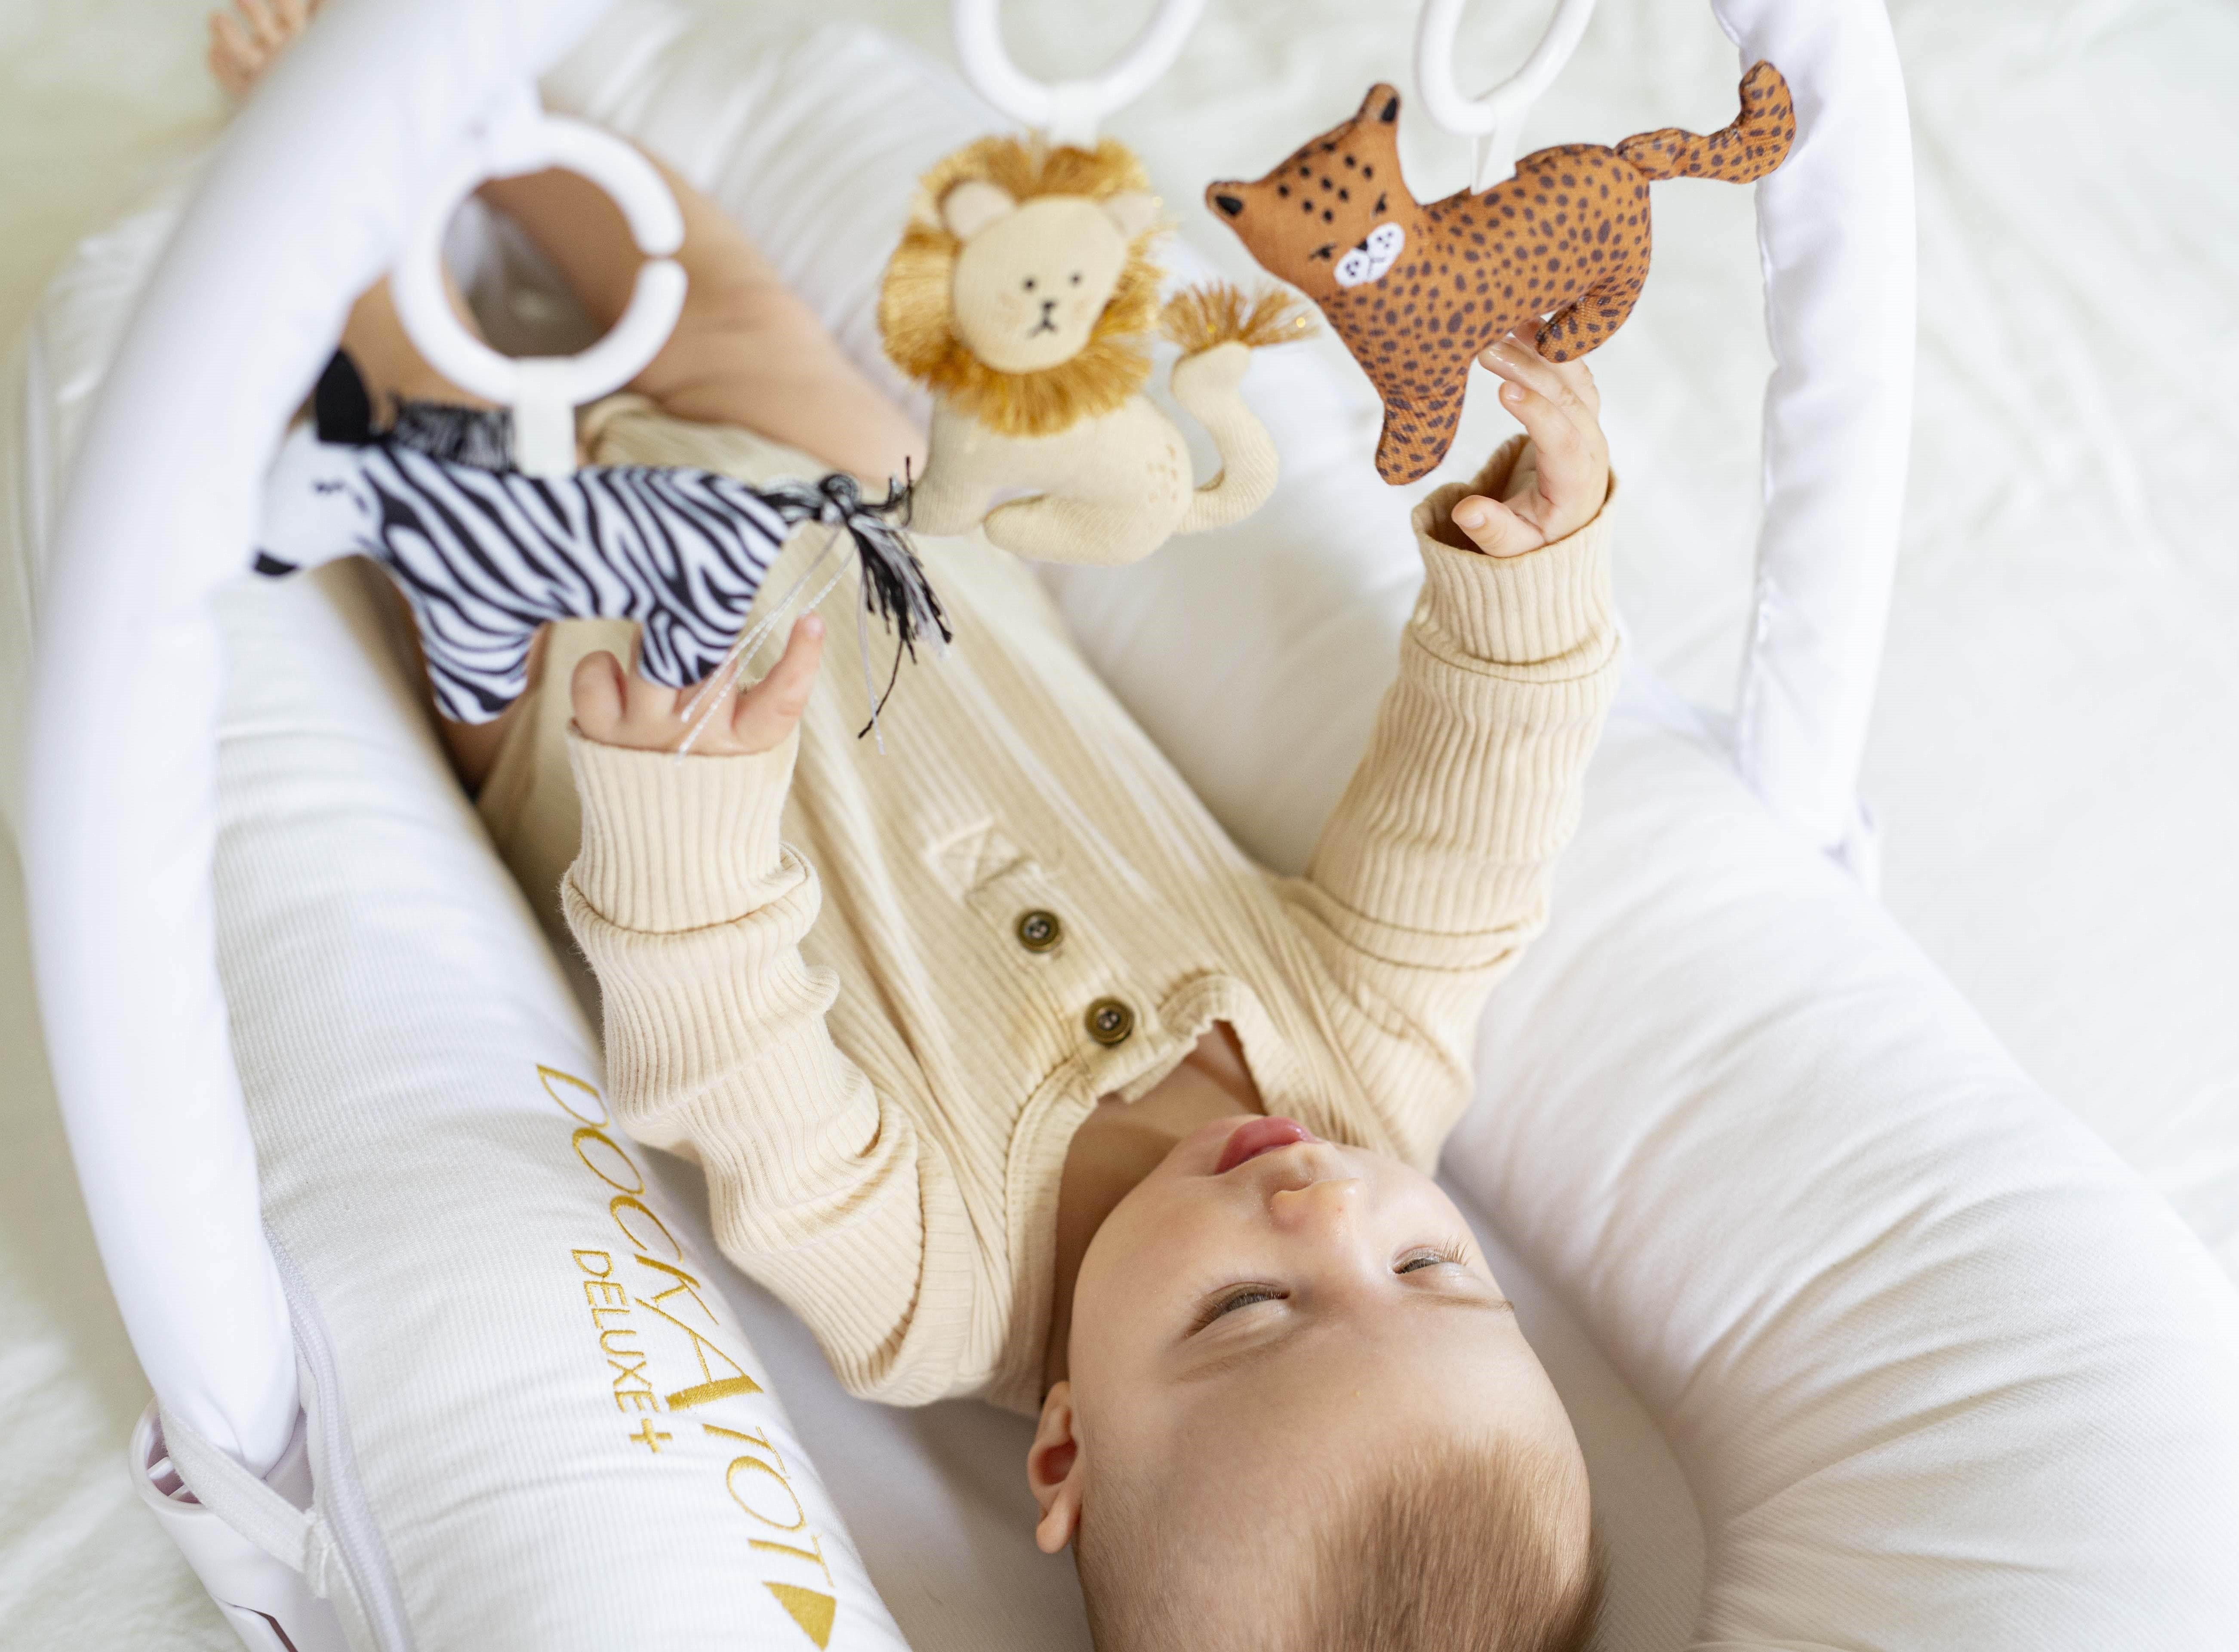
[(485, 553)]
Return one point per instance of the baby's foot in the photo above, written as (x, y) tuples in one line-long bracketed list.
[(245, 41)]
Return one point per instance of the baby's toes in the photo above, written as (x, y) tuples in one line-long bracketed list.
[(264, 26), (234, 58), (245, 40)]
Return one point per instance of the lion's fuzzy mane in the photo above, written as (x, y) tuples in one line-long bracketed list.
[(916, 321)]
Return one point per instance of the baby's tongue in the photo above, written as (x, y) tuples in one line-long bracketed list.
[(1254, 1137)]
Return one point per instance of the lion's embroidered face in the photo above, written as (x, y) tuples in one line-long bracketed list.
[(956, 313), (1336, 213), (1032, 278)]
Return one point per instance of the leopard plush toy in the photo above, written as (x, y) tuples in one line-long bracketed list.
[(1416, 291)]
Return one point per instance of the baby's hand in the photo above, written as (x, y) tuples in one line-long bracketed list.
[(615, 708), (1562, 476)]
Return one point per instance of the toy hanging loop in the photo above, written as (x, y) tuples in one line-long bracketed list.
[(1070, 111), (1494, 121), (543, 392)]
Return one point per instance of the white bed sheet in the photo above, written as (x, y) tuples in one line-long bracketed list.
[(2053, 760)]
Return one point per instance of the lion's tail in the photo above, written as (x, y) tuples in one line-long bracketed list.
[(1744, 152), (1218, 312)]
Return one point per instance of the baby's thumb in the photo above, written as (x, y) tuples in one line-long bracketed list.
[(1494, 528), (769, 712)]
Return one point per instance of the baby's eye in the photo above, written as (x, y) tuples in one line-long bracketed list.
[(1242, 1297), (1432, 1256)]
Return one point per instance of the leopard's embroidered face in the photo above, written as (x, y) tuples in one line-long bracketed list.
[(1335, 215)]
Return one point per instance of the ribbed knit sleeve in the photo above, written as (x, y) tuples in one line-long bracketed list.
[(1433, 870), (691, 910)]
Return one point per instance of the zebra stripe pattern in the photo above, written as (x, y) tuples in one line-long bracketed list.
[(485, 556)]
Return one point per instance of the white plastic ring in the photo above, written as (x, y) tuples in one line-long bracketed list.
[(1070, 111), (1496, 120), (544, 391)]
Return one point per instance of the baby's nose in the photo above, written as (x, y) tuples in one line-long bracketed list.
[(1327, 1207)]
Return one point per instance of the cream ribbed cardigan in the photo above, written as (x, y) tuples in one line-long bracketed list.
[(813, 978)]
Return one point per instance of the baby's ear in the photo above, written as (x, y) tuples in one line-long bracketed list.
[(1054, 1471), (1131, 209), (1381, 106), (973, 205), (1225, 196)]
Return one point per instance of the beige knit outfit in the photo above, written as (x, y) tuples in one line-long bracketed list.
[(824, 992)]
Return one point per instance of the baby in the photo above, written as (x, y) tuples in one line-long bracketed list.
[(1015, 1077)]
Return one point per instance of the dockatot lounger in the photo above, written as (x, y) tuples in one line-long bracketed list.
[(1869, 1343)]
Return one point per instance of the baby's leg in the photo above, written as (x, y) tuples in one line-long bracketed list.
[(745, 351)]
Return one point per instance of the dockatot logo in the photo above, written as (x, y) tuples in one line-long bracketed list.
[(662, 1357)]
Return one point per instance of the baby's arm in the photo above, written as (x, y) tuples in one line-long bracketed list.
[(1434, 871), (692, 913)]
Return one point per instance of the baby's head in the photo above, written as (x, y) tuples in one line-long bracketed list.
[(1299, 1414)]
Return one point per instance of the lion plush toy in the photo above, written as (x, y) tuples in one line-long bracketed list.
[(1416, 289), (1024, 295)]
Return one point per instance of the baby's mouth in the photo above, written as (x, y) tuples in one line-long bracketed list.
[(1254, 1137)]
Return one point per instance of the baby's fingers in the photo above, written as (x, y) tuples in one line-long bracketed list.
[(770, 710), (619, 707), (1564, 453)]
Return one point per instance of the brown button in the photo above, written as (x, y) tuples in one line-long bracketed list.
[(1109, 1021), (1038, 931)]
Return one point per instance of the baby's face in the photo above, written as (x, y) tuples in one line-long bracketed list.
[(1264, 1305)]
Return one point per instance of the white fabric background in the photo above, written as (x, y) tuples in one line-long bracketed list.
[(2053, 760)]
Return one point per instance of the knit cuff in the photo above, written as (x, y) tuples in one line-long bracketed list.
[(1514, 610), (671, 845)]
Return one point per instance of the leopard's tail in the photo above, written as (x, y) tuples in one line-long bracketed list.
[(1744, 152)]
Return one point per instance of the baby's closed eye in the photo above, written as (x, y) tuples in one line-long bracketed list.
[(1232, 1298)]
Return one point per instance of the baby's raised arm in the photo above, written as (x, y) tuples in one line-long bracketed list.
[(1433, 870), (692, 911)]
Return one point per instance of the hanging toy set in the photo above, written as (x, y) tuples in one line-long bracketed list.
[(1025, 295)]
